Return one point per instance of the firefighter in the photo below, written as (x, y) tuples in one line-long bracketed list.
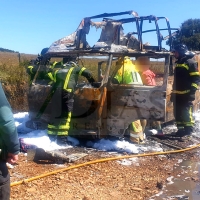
[(127, 75), (34, 64), (186, 80), (52, 68), (128, 70), (63, 99), (65, 60)]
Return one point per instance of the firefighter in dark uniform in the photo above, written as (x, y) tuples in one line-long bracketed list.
[(186, 80), (34, 64), (55, 66), (63, 99)]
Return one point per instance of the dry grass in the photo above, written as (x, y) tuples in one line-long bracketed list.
[(15, 79), (13, 59)]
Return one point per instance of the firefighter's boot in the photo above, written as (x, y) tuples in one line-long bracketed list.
[(62, 140), (189, 130), (179, 133), (137, 137), (52, 138), (136, 132)]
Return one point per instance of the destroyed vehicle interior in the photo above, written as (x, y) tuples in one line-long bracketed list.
[(111, 104), (113, 36)]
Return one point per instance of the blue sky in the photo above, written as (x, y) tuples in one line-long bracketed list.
[(28, 26)]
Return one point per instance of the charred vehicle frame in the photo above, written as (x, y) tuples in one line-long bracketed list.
[(108, 108)]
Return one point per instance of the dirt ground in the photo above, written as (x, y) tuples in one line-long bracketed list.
[(108, 180)]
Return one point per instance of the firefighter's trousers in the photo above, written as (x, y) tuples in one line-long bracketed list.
[(183, 113), (136, 133), (62, 106)]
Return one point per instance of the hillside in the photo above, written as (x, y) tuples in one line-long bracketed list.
[(7, 50)]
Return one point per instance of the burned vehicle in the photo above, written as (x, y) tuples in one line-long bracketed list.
[(108, 108)]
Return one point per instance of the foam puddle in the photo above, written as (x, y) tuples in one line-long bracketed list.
[(181, 187)]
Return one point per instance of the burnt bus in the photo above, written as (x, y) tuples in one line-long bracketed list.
[(106, 107)]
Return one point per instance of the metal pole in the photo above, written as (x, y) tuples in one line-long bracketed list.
[(19, 57)]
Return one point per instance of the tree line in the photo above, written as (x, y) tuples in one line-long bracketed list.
[(7, 50), (189, 35)]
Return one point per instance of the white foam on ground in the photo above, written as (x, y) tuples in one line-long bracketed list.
[(41, 140)]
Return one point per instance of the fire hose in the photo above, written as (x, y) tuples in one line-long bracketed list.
[(99, 161)]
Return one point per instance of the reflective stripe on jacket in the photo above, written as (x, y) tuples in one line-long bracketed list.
[(127, 73), (67, 78), (186, 76)]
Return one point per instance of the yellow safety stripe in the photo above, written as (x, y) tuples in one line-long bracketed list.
[(136, 126), (68, 90), (67, 78), (54, 75), (180, 92), (31, 69), (194, 73), (69, 116), (50, 83), (66, 126), (58, 132), (82, 69), (182, 65), (191, 117), (50, 76), (185, 124), (55, 62), (191, 120), (189, 124), (194, 85), (53, 65)]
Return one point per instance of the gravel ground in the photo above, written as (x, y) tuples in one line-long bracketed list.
[(136, 178)]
